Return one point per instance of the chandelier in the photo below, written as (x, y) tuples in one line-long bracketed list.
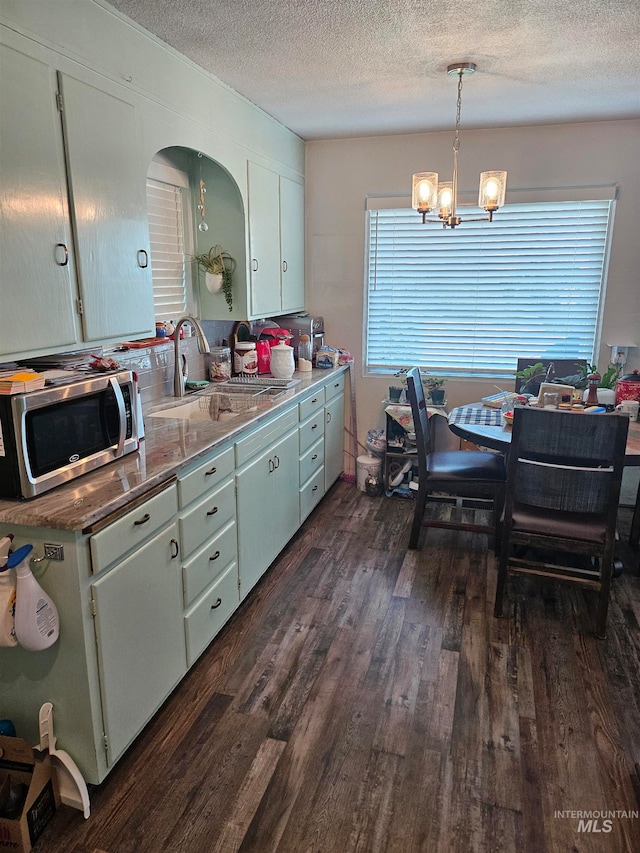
[(428, 195)]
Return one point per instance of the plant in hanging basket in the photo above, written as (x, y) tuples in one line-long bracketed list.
[(218, 263)]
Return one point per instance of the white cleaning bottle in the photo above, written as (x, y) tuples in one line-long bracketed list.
[(7, 595), (37, 623)]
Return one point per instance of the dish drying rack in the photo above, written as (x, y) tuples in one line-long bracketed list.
[(220, 402)]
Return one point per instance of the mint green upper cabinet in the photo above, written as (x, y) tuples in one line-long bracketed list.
[(292, 244), (276, 237), (108, 193), (37, 284), (264, 238)]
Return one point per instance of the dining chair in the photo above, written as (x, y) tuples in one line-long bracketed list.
[(564, 472), (459, 473)]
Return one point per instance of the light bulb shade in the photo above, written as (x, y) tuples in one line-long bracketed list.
[(445, 199), (424, 195), (493, 187)]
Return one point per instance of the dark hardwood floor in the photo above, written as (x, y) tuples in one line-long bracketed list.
[(365, 699)]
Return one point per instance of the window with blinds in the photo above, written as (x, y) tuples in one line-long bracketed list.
[(473, 300), (168, 252)]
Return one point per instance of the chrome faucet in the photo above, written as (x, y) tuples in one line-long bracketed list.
[(180, 375)]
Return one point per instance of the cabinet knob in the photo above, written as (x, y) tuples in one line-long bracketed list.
[(61, 255), (217, 604), (142, 520), (215, 556), (174, 544), (212, 511)]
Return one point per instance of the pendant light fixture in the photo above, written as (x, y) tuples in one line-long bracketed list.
[(428, 195)]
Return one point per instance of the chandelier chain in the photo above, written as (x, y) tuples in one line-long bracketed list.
[(456, 141)]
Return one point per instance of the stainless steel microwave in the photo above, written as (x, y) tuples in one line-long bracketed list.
[(51, 436)]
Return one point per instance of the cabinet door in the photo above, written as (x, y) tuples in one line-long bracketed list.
[(292, 244), (140, 637), (108, 193), (333, 440), (37, 284), (264, 240), (268, 511)]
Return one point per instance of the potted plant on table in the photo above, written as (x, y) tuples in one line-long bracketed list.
[(218, 267), (435, 387)]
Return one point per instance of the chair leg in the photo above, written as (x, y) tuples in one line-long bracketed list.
[(498, 506), (503, 564), (606, 572), (418, 515)]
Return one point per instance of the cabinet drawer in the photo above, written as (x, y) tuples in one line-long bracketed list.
[(335, 386), (264, 436), (311, 430), (206, 475), (311, 493), (311, 404), (210, 612), (130, 531), (202, 521), (311, 460), (207, 563)]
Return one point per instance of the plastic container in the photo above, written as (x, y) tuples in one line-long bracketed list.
[(245, 358), (220, 364), (366, 467), (37, 622)]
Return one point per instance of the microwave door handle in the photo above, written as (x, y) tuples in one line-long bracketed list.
[(122, 416)]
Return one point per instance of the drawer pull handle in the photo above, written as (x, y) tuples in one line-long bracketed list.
[(254, 265), (328, 417), (217, 604), (62, 258), (213, 511), (314, 457), (142, 520), (174, 542), (143, 259), (277, 462), (314, 489), (315, 400), (315, 426), (272, 467), (215, 556), (212, 471)]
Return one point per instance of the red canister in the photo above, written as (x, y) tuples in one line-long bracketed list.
[(628, 387)]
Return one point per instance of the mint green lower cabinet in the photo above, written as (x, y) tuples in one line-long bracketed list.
[(139, 636), (208, 614), (267, 507), (333, 439)]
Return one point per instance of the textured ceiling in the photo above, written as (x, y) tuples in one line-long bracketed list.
[(367, 67)]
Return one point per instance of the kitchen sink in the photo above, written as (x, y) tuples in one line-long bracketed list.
[(221, 402)]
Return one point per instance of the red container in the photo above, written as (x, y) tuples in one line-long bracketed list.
[(268, 338), (628, 387)]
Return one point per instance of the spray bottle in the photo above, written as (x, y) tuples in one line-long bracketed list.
[(37, 623), (7, 595)]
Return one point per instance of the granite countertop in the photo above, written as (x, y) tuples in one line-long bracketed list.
[(169, 445)]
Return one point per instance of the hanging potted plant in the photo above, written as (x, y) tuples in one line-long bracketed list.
[(218, 267)]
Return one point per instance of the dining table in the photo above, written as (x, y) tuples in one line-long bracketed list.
[(485, 427)]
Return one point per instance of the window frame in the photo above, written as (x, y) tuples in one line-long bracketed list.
[(602, 193)]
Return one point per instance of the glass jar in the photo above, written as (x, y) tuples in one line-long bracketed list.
[(220, 364)]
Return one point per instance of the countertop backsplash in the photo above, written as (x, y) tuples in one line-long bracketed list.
[(154, 364)]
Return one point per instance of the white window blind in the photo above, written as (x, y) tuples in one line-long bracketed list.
[(166, 233), (473, 300)]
